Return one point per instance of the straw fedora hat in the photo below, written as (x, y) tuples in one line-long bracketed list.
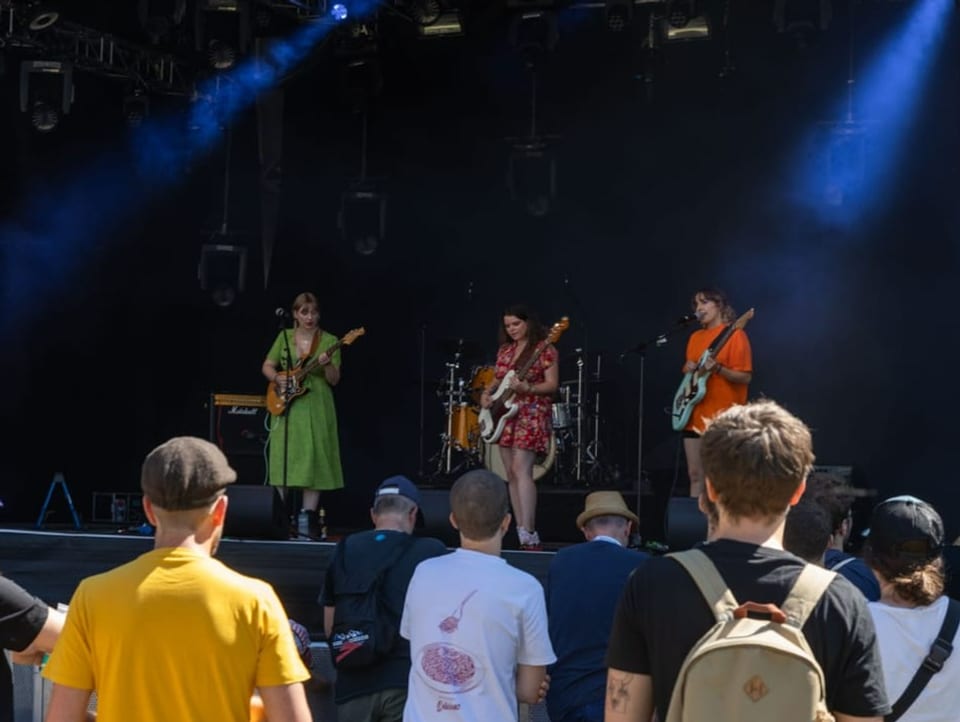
[(605, 503)]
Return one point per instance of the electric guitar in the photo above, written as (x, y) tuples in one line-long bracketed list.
[(502, 407), (694, 385), (280, 395)]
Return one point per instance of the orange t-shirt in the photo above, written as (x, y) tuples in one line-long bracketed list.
[(721, 393)]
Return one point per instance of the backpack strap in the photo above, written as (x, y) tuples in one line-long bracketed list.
[(714, 590), (841, 564), (806, 592), (939, 652)]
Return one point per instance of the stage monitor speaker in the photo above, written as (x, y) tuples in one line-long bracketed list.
[(255, 512), (685, 524), (435, 508)]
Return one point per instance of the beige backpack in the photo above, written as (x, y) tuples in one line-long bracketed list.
[(747, 669)]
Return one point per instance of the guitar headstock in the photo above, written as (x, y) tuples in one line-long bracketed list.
[(350, 336), (556, 331), (742, 321)]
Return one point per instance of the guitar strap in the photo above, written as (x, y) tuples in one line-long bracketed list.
[(716, 342)]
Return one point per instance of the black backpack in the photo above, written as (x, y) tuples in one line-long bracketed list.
[(365, 627)]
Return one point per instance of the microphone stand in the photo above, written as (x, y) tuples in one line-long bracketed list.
[(641, 349), (286, 415)]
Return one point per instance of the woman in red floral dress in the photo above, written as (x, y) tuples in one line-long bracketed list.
[(528, 432)]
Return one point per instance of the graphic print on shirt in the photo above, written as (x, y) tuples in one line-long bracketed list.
[(445, 667)]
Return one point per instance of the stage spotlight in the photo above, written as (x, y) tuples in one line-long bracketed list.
[(426, 12), (802, 18), (136, 108), (222, 272), (532, 175), (222, 31), (159, 17), (339, 12), (684, 20), (363, 219), (534, 33), (447, 25), (46, 91), (617, 15), (42, 17)]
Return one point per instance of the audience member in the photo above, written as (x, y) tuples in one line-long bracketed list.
[(833, 494), (28, 628), (477, 626), (175, 634), (807, 531), (905, 550), (378, 692), (584, 582), (756, 458)]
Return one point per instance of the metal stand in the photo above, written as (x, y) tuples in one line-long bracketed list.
[(58, 480)]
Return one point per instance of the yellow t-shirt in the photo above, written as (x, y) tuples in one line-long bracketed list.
[(175, 635)]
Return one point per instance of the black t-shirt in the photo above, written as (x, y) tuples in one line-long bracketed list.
[(22, 616), (366, 550), (662, 615)]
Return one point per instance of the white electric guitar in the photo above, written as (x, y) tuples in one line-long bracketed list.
[(503, 407)]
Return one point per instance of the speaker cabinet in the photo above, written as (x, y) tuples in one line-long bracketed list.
[(686, 525), (255, 512), (435, 510)]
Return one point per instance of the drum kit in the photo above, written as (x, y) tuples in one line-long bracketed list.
[(573, 454)]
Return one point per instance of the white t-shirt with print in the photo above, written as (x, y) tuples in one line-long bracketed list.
[(471, 618), (905, 635)]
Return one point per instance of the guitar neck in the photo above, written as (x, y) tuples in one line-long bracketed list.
[(315, 361), (525, 369)]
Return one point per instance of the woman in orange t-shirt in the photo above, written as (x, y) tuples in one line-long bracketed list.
[(730, 373)]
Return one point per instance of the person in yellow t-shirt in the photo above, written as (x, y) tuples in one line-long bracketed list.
[(730, 373), (175, 634)]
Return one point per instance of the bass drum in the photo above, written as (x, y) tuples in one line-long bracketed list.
[(541, 465)]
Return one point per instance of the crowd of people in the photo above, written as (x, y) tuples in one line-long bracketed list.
[(420, 632)]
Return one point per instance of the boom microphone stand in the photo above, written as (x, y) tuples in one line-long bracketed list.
[(641, 350), (286, 410)]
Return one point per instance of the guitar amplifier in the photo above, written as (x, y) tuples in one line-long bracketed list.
[(238, 423)]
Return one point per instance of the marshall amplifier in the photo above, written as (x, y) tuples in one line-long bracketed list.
[(237, 424)]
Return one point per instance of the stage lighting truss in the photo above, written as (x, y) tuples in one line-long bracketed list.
[(46, 92), (222, 31), (363, 218), (89, 50), (222, 270)]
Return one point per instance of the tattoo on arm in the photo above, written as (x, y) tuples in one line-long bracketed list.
[(618, 691)]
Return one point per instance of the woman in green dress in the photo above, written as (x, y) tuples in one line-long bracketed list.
[(312, 458)]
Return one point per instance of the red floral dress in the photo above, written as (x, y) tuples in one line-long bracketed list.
[(532, 427)]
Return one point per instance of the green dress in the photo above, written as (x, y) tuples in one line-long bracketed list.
[(313, 454)]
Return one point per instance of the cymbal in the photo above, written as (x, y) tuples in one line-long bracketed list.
[(466, 348)]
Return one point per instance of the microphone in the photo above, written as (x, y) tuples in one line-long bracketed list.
[(281, 313), (687, 318)]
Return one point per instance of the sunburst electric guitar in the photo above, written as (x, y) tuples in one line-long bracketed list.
[(694, 385), (279, 396), (502, 405)]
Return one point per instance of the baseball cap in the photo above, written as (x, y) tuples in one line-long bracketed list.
[(905, 527), (185, 472), (398, 485)]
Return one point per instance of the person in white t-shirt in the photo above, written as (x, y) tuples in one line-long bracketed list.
[(905, 550), (479, 642)]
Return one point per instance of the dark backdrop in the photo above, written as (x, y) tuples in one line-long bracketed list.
[(662, 189)]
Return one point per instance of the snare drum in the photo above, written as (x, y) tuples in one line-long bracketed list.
[(541, 465), (465, 428), (483, 377)]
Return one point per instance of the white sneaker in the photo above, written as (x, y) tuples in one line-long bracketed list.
[(524, 536)]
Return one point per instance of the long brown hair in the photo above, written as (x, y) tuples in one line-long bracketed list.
[(536, 331)]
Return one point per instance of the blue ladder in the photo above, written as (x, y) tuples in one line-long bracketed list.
[(58, 480)]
